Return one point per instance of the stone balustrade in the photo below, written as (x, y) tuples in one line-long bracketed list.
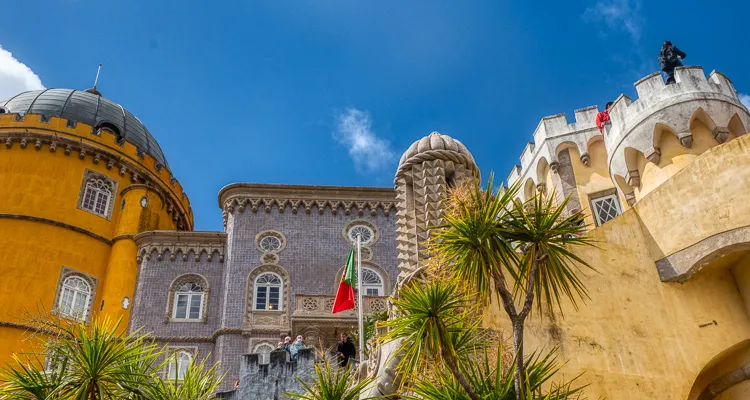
[(309, 305)]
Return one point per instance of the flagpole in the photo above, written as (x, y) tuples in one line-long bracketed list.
[(360, 314)]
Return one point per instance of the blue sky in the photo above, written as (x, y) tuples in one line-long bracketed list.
[(332, 92)]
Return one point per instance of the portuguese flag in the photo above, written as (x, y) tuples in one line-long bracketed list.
[(346, 295)]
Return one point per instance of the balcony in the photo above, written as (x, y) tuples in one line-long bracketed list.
[(314, 306)]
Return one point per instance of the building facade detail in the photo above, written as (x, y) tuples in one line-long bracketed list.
[(188, 288), (97, 194), (171, 245), (267, 319), (75, 295)]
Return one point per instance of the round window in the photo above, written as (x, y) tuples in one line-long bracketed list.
[(365, 233), (270, 243)]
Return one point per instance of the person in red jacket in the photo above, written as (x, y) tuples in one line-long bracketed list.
[(603, 116)]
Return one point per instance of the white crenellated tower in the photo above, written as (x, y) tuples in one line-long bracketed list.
[(647, 141)]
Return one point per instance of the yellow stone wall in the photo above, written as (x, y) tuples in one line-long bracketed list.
[(42, 230), (638, 337), (593, 178)]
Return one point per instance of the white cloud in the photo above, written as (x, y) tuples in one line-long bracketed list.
[(369, 152), (745, 99), (617, 15), (15, 76)]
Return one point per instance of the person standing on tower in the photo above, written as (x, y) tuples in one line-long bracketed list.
[(670, 58), (602, 117)]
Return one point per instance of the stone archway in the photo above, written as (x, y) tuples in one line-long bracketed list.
[(726, 376)]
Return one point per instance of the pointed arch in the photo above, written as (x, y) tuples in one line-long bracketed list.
[(529, 189), (701, 115), (736, 127), (542, 167)]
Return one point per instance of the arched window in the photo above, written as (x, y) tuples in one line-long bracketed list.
[(178, 365), (372, 283), (74, 301), (268, 292), (188, 301), (96, 196), (263, 350)]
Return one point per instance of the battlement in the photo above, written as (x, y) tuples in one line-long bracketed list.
[(553, 134), (637, 125), (101, 145), (654, 94), (270, 381)]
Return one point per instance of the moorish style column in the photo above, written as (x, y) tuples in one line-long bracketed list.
[(427, 169)]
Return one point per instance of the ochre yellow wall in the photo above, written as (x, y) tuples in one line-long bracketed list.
[(674, 157), (740, 391), (705, 198), (741, 271), (638, 337), (592, 178), (40, 185), (724, 363)]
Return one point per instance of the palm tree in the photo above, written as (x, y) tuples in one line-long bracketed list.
[(434, 323), (26, 381), (487, 237), (492, 382), (99, 362), (332, 383)]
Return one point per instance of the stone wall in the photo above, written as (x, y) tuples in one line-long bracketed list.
[(270, 381)]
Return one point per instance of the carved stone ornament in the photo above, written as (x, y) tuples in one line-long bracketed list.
[(334, 199), (270, 241), (187, 245)]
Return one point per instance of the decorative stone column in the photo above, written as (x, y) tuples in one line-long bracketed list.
[(427, 169)]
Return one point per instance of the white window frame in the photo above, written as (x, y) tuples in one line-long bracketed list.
[(256, 286), (97, 190), (76, 293), (598, 200), (179, 375), (190, 295), (380, 287)]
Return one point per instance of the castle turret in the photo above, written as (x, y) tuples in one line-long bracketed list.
[(426, 170), (79, 177), (668, 126), (647, 141)]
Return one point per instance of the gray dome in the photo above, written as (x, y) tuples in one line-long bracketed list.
[(88, 108)]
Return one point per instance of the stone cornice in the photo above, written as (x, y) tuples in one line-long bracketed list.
[(96, 153), (175, 242), (262, 196)]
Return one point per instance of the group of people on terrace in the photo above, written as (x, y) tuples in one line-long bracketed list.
[(670, 58), (345, 350)]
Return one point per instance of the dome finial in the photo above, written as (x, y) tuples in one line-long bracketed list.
[(96, 81)]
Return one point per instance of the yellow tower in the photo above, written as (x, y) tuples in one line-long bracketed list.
[(79, 177)]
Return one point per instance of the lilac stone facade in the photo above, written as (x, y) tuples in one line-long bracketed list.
[(309, 226)]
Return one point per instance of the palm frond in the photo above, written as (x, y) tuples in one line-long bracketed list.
[(468, 239), (546, 237), (493, 383)]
